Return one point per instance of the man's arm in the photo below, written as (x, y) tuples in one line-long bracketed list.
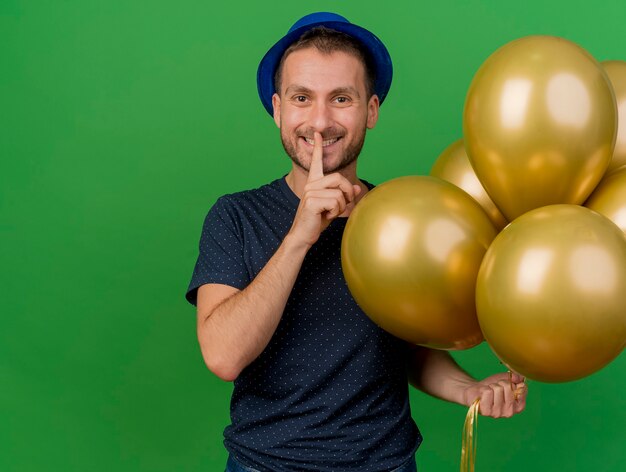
[(234, 326), (436, 373)]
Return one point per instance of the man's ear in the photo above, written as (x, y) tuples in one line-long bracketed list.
[(372, 111), (276, 105)]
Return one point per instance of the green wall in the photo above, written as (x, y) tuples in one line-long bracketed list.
[(121, 122)]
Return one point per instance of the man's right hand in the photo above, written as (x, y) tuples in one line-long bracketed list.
[(325, 198)]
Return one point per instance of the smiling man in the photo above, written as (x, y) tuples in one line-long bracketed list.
[(317, 385), (327, 91)]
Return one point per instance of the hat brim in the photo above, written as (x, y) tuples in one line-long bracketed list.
[(377, 50)]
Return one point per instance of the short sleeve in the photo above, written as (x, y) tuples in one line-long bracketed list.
[(221, 253)]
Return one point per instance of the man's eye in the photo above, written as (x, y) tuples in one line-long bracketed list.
[(301, 98), (342, 99)]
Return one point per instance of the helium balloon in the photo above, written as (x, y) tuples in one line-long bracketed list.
[(551, 293), (616, 70), (539, 123), (454, 166), (609, 198), (410, 254)]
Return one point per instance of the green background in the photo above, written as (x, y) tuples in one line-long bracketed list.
[(121, 122)]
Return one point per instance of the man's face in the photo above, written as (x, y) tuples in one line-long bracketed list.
[(324, 93)]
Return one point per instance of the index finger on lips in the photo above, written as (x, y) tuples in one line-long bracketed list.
[(316, 169)]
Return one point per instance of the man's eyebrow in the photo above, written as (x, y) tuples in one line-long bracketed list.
[(347, 90), (339, 90), (298, 89)]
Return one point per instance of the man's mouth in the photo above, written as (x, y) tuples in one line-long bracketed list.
[(325, 142)]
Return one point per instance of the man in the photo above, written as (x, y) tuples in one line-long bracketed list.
[(317, 386)]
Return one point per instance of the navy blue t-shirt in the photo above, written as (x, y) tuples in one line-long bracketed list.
[(330, 390)]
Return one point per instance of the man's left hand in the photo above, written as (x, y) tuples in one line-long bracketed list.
[(501, 395)]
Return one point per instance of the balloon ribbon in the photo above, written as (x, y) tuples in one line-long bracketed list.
[(470, 431)]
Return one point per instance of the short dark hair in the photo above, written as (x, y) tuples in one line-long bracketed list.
[(327, 41)]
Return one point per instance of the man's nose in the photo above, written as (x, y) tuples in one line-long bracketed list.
[(321, 116)]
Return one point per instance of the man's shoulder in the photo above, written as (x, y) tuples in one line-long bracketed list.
[(248, 211), (270, 198), (262, 191), (270, 191)]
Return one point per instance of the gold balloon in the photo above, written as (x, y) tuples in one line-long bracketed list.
[(539, 123), (551, 293), (616, 70), (410, 255), (454, 166), (609, 198)]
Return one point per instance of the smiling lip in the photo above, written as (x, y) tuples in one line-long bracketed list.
[(326, 142)]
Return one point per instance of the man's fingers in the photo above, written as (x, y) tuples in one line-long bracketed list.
[(486, 402), (330, 201), (498, 399), (316, 170), (521, 391), (508, 399), (502, 395), (514, 377), (334, 181)]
